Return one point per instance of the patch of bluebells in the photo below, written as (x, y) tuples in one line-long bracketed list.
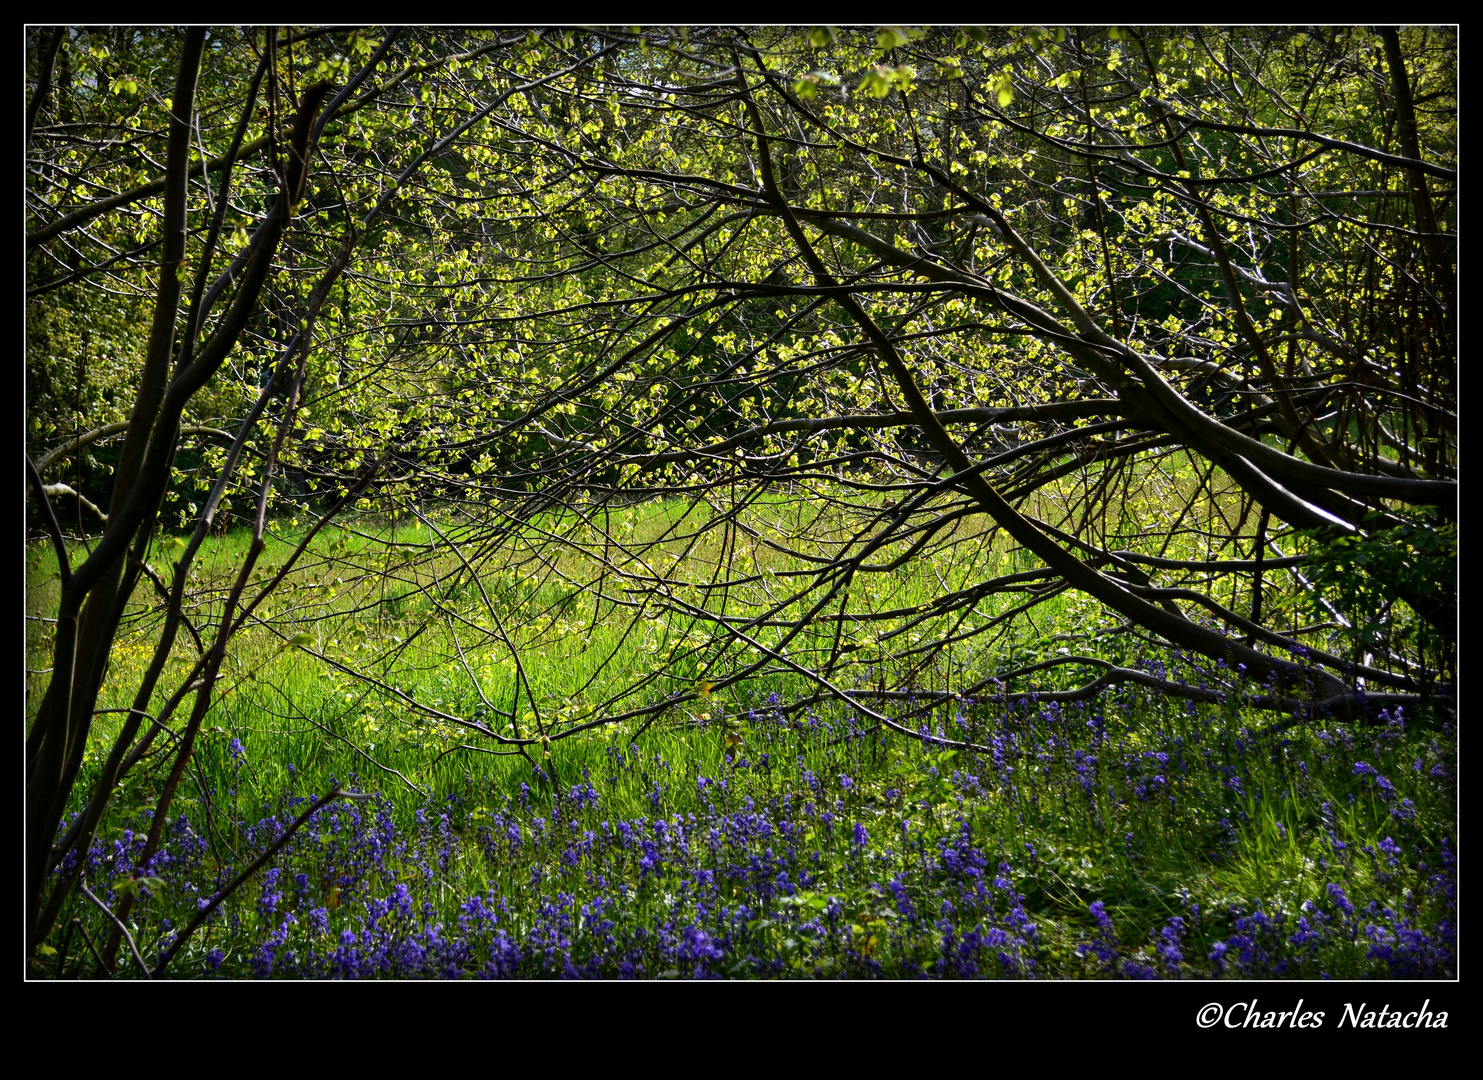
[(1104, 945), (734, 890), (1371, 939), (751, 881)]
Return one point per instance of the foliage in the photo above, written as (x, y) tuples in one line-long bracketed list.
[(1366, 576)]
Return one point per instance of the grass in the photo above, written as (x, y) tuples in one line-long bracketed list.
[(1129, 836)]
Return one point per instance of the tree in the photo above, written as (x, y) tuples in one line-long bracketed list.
[(1112, 294)]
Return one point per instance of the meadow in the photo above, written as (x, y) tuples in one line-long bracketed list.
[(747, 828)]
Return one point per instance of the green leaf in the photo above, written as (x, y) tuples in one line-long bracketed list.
[(890, 37), (807, 87), (819, 36), (876, 84)]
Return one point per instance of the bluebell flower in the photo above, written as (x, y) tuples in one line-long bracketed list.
[(1169, 944), (1405, 810), (1217, 956)]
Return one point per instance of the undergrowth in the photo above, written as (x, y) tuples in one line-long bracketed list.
[(749, 833), (1125, 838)]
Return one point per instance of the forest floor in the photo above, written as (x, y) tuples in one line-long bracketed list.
[(745, 835)]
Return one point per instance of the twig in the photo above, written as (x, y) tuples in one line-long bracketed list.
[(91, 948), (384, 768), (122, 929), (475, 749), (201, 916), (66, 947), (50, 520)]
